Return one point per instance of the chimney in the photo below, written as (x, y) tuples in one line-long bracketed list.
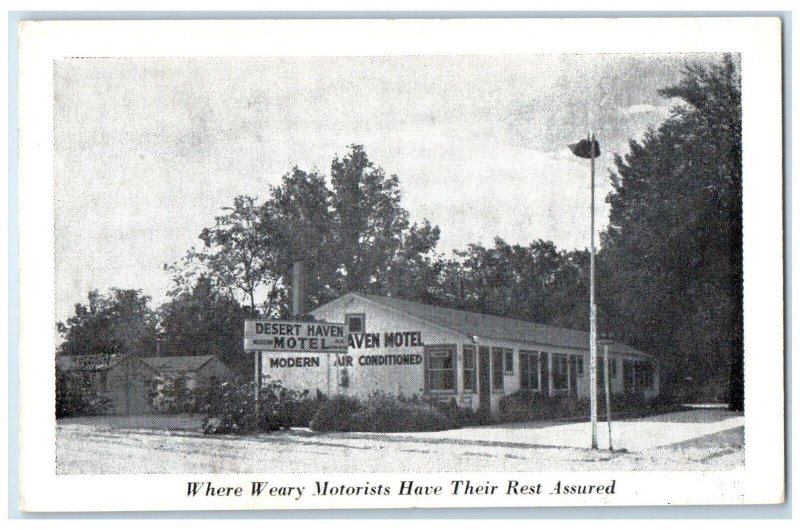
[(297, 288)]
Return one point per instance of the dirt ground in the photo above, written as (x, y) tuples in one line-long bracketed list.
[(173, 444)]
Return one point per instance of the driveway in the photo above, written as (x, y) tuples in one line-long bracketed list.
[(632, 434)]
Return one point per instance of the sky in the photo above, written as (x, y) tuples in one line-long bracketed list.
[(147, 151)]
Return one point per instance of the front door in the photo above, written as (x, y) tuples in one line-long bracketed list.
[(575, 369), (484, 380), (544, 363)]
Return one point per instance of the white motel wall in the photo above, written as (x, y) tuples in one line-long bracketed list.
[(407, 348)]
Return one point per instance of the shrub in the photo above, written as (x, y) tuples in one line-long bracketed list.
[(284, 408), (337, 414), (77, 395), (381, 412), (462, 416), (230, 408), (530, 406)]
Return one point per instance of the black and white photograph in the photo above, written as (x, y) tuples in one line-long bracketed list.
[(355, 265)]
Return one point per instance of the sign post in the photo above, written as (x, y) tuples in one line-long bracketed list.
[(256, 381), (608, 393)]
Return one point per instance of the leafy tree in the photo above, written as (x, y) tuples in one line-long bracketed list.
[(414, 269), (236, 254), (120, 322), (372, 234), (77, 396), (672, 260), (351, 236), (204, 321), (301, 230), (537, 282)]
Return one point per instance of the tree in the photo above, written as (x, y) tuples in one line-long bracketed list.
[(371, 230), (351, 236), (672, 258), (301, 229), (414, 269), (237, 255), (204, 321), (537, 282), (120, 322)]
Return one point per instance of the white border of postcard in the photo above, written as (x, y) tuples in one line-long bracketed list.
[(756, 39)]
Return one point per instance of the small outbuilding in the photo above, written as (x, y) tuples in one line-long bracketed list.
[(409, 348), (134, 384), (87, 373)]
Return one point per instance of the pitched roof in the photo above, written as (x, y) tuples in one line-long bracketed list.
[(494, 327), (87, 363), (177, 363)]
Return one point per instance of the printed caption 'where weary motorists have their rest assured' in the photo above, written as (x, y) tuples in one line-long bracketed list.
[(404, 488)]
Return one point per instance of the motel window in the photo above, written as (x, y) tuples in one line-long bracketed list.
[(560, 372), (470, 379), (644, 376), (497, 368), (529, 370), (509, 353), (579, 365), (629, 376), (441, 369), (356, 323)]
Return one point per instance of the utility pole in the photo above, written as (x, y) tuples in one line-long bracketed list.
[(590, 149), (592, 315)]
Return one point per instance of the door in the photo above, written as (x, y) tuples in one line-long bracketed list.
[(484, 380), (544, 363), (575, 370)]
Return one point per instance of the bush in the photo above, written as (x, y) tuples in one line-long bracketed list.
[(77, 395), (529, 406), (284, 408), (381, 412), (462, 416), (337, 414), (533, 406), (230, 408), (173, 395)]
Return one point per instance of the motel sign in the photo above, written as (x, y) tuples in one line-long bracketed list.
[(289, 336)]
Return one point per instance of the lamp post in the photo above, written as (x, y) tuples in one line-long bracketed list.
[(590, 149)]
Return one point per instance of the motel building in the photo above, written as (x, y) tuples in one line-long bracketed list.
[(407, 348)]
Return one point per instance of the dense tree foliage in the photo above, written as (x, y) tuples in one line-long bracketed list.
[(300, 230), (204, 320), (372, 233), (352, 235), (537, 282), (672, 258), (119, 322)]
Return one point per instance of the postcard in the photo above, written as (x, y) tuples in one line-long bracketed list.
[(293, 264)]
